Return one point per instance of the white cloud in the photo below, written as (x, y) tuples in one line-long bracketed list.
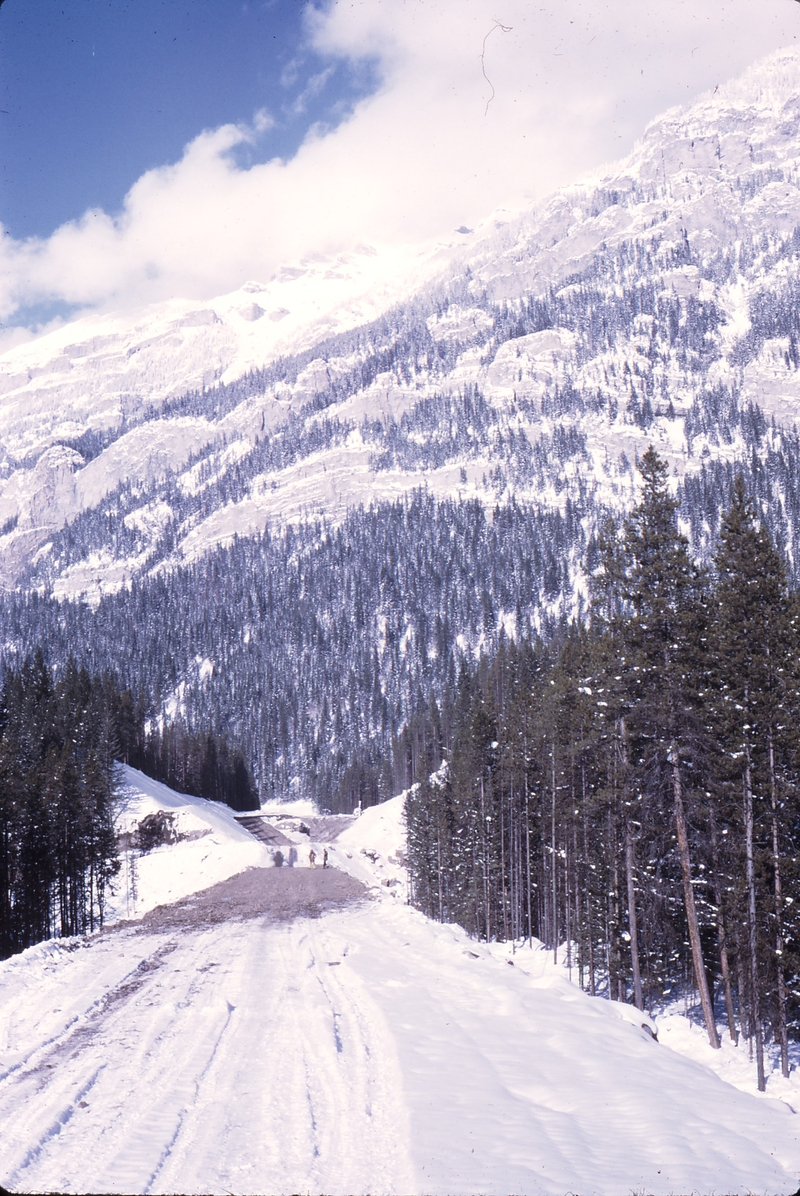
[(575, 84)]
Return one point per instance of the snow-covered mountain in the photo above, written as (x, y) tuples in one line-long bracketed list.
[(533, 356)]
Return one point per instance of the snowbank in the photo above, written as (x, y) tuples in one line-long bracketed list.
[(373, 849), (521, 1082), (301, 808), (211, 847)]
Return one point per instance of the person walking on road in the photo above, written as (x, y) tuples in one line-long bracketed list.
[(324, 857), (312, 858)]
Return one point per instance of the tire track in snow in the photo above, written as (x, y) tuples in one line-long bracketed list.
[(227, 1094), (136, 1040), (45, 1054), (291, 1096), (312, 1120), (173, 1064), (41, 1095), (374, 1135), (229, 1058), (182, 1114), (54, 1129)]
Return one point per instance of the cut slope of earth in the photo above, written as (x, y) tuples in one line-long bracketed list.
[(211, 847)]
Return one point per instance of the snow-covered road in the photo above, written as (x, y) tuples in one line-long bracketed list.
[(240, 1057), (365, 1050)]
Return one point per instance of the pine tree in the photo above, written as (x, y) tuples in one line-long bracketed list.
[(750, 671), (663, 592)]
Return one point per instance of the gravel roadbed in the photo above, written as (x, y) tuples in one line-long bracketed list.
[(277, 894)]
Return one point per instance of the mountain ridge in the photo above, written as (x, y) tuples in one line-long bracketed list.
[(684, 213), (372, 508)]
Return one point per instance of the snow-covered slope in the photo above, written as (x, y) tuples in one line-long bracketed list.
[(367, 1051), (99, 370), (211, 846), (653, 302), (373, 849)]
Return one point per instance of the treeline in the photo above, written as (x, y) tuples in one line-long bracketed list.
[(319, 640), (58, 853), (60, 735), (628, 792), (187, 758), (199, 763)]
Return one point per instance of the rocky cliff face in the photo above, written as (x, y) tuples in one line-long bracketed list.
[(532, 358)]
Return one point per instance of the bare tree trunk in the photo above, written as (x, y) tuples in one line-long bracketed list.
[(512, 870), (576, 889), (91, 889), (591, 946), (475, 893), (783, 1036), (633, 926), (724, 965), (741, 985), (439, 863), (567, 907), (569, 862), (553, 860), (613, 908), (688, 895), (503, 891), (638, 999), (487, 914), (589, 924), (751, 908), (722, 942), (528, 855), (543, 892)]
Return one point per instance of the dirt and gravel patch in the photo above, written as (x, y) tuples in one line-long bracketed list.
[(276, 894)]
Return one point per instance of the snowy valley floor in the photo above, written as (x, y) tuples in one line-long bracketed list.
[(324, 1037)]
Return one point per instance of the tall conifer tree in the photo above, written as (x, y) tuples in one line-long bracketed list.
[(663, 592), (750, 668)]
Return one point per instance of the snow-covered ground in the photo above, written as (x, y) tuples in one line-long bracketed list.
[(372, 850), (211, 847), (367, 1050)]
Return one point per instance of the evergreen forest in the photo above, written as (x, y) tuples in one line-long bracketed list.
[(61, 733), (58, 853), (308, 647), (627, 789)]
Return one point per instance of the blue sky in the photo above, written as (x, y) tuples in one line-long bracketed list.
[(96, 92), (152, 149)]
